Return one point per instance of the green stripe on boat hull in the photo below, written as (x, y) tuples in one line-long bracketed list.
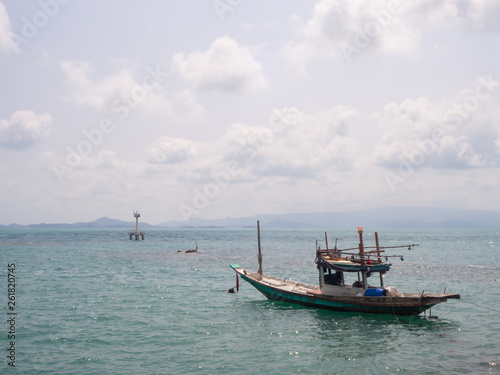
[(325, 302)]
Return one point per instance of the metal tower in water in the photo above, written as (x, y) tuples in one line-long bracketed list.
[(137, 232)]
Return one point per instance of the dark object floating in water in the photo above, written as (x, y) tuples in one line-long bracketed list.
[(189, 251)]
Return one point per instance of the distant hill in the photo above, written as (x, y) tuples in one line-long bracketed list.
[(103, 222), (388, 218)]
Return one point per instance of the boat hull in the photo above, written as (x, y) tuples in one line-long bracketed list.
[(408, 305)]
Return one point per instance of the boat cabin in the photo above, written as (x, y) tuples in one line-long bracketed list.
[(334, 264), (333, 269)]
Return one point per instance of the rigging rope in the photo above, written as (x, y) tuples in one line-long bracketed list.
[(241, 282), (484, 307)]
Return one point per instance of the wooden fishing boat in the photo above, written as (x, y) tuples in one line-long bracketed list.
[(334, 293)]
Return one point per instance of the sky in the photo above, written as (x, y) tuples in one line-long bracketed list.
[(231, 108)]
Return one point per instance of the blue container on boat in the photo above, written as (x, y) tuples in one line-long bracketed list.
[(375, 292)]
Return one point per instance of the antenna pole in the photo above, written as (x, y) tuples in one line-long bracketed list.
[(379, 259), (378, 247), (137, 216), (260, 252)]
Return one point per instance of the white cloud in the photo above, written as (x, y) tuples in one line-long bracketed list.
[(291, 145), (293, 151), (100, 176), (344, 29), (224, 67), (309, 144), (447, 134), (121, 93), (187, 108), (6, 42), (23, 129), (167, 150), (96, 94)]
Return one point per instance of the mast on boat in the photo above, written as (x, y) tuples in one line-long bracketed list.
[(379, 259), (362, 256), (260, 252)]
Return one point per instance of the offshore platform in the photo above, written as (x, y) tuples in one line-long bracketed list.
[(137, 233)]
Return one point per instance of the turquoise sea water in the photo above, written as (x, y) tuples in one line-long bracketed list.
[(94, 302)]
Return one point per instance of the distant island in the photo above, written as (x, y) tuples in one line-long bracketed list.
[(103, 222), (383, 218)]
